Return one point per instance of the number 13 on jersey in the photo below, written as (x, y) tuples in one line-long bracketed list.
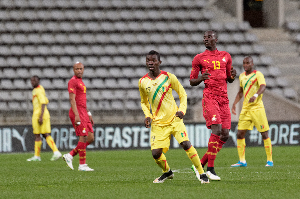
[(216, 64)]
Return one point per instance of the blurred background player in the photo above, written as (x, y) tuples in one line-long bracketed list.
[(216, 69), (80, 117), (252, 86), (41, 121), (156, 87)]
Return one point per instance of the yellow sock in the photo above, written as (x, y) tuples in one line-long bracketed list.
[(162, 163), (241, 144), (37, 148), (51, 143), (268, 148), (193, 155)]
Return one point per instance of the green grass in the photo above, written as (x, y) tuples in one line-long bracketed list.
[(129, 174)]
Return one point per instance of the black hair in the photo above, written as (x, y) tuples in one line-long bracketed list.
[(248, 56), (214, 32), (153, 52), (36, 77)]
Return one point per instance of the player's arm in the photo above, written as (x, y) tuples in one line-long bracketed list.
[(261, 90), (145, 106), (42, 113), (238, 97), (90, 116), (195, 79), (230, 71), (176, 85), (74, 108)]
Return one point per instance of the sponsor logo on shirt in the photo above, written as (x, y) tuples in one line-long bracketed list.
[(224, 60)]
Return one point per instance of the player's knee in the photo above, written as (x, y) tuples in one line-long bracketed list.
[(186, 145), (156, 154)]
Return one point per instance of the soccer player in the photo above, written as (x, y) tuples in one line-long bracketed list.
[(80, 117), (41, 121), (156, 88), (252, 86), (215, 67)]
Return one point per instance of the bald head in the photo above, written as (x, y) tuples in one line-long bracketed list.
[(78, 69), (248, 64)]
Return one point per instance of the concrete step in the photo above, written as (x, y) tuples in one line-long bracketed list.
[(279, 46), (270, 34)]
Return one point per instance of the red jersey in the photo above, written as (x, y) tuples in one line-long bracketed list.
[(76, 86), (218, 64)]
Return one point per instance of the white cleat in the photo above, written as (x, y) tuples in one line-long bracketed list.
[(212, 176), (202, 178), (84, 167), (56, 156), (68, 159), (34, 159)]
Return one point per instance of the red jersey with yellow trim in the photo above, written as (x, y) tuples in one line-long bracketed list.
[(219, 65), (158, 92), (250, 84), (76, 86)]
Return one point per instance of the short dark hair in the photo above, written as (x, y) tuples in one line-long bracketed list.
[(153, 52), (248, 56), (214, 32), (36, 77)]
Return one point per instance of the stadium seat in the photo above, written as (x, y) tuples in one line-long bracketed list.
[(7, 84), (107, 94), (117, 105), (290, 93), (133, 94), (282, 82), (4, 106), (47, 84), (271, 83), (110, 83), (9, 73), (123, 83), (49, 73), (20, 84), (17, 95), (15, 106), (63, 73), (53, 106), (131, 105), (89, 73), (128, 72), (5, 95)]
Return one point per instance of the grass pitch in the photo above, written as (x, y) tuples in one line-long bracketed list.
[(129, 174)]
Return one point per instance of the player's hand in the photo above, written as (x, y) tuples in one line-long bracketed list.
[(205, 75), (233, 72), (40, 120), (233, 109), (91, 119), (147, 122), (179, 114), (77, 120), (252, 99)]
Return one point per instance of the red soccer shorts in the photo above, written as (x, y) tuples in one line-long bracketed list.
[(216, 111), (85, 123)]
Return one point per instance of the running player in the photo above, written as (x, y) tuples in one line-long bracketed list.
[(156, 88), (80, 117), (216, 69), (252, 87)]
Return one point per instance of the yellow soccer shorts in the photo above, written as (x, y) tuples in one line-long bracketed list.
[(161, 135), (256, 118), (41, 129)]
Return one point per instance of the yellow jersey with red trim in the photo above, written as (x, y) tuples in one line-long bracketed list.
[(39, 98), (157, 93), (250, 84)]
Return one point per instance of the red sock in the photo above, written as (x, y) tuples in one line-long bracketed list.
[(74, 151), (81, 150), (220, 144), (212, 151), (204, 159)]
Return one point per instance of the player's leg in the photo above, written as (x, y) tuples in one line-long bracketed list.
[(37, 140), (160, 142), (241, 145), (46, 129), (261, 123), (90, 138), (82, 154)]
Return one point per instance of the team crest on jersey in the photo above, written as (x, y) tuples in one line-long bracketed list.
[(183, 134), (224, 60), (214, 118), (148, 89), (83, 131)]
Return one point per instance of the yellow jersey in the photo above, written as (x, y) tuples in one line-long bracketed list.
[(250, 84), (39, 98), (158, 93)]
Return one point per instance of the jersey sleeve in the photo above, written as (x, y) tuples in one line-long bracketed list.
[(228, 66), (144, 101), (260, 78), (41, 97), (196, 67), (72, 86), (176, 85)]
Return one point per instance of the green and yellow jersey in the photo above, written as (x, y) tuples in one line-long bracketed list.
[(39, 98), (158, 93), (250, 84)]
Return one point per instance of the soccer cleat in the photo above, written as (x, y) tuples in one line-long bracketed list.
[(164, 176), (212, 176), (56, 156), (34, 159), (84, 167), (269, 164), (202, 178), (239, 164), (68, 159)]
